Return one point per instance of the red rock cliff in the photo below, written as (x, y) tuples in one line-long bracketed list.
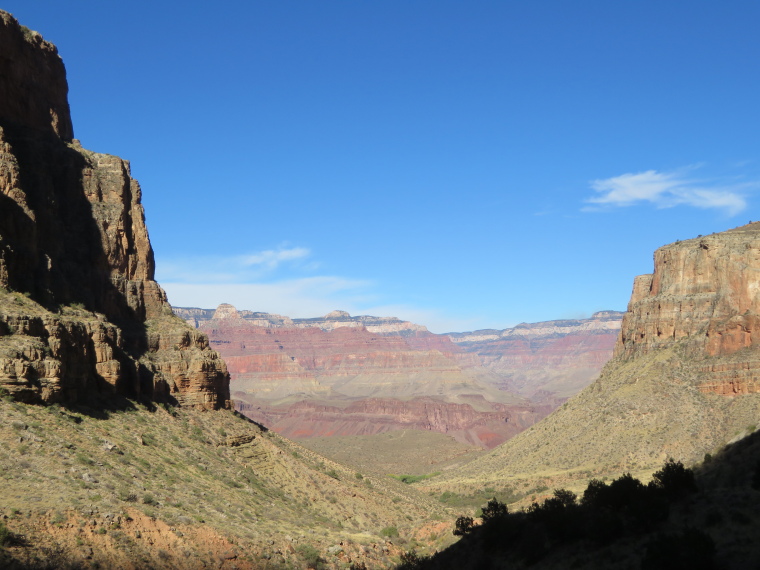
[(80, 312), (705, 293)]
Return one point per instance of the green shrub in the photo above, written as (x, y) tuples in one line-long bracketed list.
[(6, 536), (310, 556), (389, 531)]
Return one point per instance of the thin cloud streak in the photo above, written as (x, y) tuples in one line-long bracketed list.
[(272, 258), (245, 268), (667, 190)]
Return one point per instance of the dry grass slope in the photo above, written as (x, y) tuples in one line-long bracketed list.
[(178, 488), (636, 415)]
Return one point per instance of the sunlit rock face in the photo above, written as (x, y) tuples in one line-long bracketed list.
[(80, 312), (704, 292)]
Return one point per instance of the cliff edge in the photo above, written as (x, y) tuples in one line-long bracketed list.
[(80, 312)]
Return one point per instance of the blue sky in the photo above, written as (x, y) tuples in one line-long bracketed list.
[(460, 164)]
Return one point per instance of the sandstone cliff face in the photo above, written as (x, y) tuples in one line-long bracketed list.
[(704, 292), (484, 428), (80, 312), (285, 361), (333, 320)]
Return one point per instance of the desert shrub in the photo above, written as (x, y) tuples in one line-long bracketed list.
[(310, 556), (412, 561), (493, 510), (389, 532), (6, 536), (463, 525)]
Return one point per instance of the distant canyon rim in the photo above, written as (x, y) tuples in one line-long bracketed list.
[(343, 375)]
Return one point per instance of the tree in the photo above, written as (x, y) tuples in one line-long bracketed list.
[(463, 526), (494, 510)]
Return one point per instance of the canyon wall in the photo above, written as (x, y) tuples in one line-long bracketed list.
[(546, 361), (705, 293), (80, 312), (344, 375)]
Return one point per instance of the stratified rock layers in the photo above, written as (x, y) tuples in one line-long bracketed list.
[(547, 361), (343, 375), (80, 312), (706, 293)]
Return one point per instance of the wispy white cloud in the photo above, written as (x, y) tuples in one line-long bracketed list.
[(271, 258), (243, 268), (307, 298), (666, 190), (283, 281)]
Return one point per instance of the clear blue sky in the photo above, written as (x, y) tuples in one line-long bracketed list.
[(460, 164)]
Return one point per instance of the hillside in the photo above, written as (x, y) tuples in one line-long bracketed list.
[(680, 385), (704, 518)]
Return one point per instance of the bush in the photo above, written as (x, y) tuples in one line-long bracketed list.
[(6, 536), (389, 532), (463, 526), (690, 550), (494, 510), (310, 556), (674, 480), (412, 561)]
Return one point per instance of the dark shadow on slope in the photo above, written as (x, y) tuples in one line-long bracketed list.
[(706, 518)]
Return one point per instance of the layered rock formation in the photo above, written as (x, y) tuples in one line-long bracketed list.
[(682, 382), (487, 426), (706, 293), (344, 375), (336, 319), (547, 361), (80, 312)]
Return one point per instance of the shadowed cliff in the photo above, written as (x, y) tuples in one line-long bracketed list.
[(81, 316)]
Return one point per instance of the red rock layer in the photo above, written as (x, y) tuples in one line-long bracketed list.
[(283, 361), (544, 361), (72, 233), (378, 415)]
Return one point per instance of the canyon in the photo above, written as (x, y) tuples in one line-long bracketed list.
[(681, 383), (340, 375), (120, 445)]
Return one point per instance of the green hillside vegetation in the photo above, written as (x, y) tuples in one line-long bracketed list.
[(413, 452)]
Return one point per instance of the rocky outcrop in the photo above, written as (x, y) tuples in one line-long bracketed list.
[(333, 320), (705, 293), (286, 361), (80, 312)]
